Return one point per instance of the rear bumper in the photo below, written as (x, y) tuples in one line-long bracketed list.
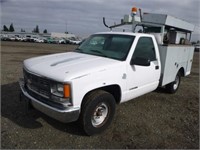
[(69, 114)]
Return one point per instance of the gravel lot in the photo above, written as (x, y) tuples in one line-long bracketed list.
[(155, 120)]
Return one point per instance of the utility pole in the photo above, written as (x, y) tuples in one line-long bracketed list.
[(66, 27)]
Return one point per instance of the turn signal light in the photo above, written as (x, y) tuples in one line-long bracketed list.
[(67, 91)]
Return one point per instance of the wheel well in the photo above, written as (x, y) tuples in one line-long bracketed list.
[(112, 89), (181, 70)]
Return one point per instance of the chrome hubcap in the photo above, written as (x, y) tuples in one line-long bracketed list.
[(176, 83), (99, 114)]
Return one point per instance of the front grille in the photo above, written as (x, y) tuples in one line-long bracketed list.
[(37, 84), (46, 101)]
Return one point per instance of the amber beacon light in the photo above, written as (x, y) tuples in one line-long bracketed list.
[(134, 11)]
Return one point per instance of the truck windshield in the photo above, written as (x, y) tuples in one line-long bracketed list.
[(107, 45)]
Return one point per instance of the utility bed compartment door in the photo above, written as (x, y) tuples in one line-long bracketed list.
[(174, 57)]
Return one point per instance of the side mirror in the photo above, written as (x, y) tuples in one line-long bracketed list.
[(140, 61)]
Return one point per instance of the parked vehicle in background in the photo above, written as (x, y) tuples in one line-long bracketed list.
[(38, 40), (4, 38), (19, 39), (12, 38), (52, 40), (76, 42), (62, 41)]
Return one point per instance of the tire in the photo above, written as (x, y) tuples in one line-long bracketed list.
[(173, 87), (97, 112)]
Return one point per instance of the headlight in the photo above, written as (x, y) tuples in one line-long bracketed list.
[(61, 90)]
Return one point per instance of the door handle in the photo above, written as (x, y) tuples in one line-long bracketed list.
[(157, 67)]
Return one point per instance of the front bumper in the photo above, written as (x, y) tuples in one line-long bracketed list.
[(69, 114)]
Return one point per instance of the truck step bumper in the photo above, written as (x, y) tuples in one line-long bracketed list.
[(69, 114)]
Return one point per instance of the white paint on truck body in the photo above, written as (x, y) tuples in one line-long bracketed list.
[(86, 72), (173, 58)]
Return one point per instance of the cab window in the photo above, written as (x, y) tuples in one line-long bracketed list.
[(145, 49)]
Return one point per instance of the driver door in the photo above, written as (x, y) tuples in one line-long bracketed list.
[(143, 76)]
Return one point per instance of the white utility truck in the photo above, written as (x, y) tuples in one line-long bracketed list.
[(109, 68)]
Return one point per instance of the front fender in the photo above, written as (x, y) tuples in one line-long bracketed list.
[(81, 86)]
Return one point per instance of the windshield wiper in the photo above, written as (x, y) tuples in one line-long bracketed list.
[(96, 51), (78, 50)]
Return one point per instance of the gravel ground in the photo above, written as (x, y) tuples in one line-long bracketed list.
[(155, 120)]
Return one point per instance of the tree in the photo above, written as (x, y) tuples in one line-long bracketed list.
[(11, 29), (5, 28), (45, 31), (36, 29)]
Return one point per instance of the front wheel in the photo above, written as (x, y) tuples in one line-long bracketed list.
[(97, 112), (173, 87)]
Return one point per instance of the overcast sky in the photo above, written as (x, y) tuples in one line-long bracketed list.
[(84, 17)]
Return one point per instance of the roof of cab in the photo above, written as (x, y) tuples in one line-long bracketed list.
[(126, 33)]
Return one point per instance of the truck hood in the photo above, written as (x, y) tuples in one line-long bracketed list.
[(68, 66)]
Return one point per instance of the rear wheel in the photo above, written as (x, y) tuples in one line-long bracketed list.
[(173, 87), (97, 112)]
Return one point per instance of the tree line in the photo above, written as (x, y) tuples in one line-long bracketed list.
[(12, 29)]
